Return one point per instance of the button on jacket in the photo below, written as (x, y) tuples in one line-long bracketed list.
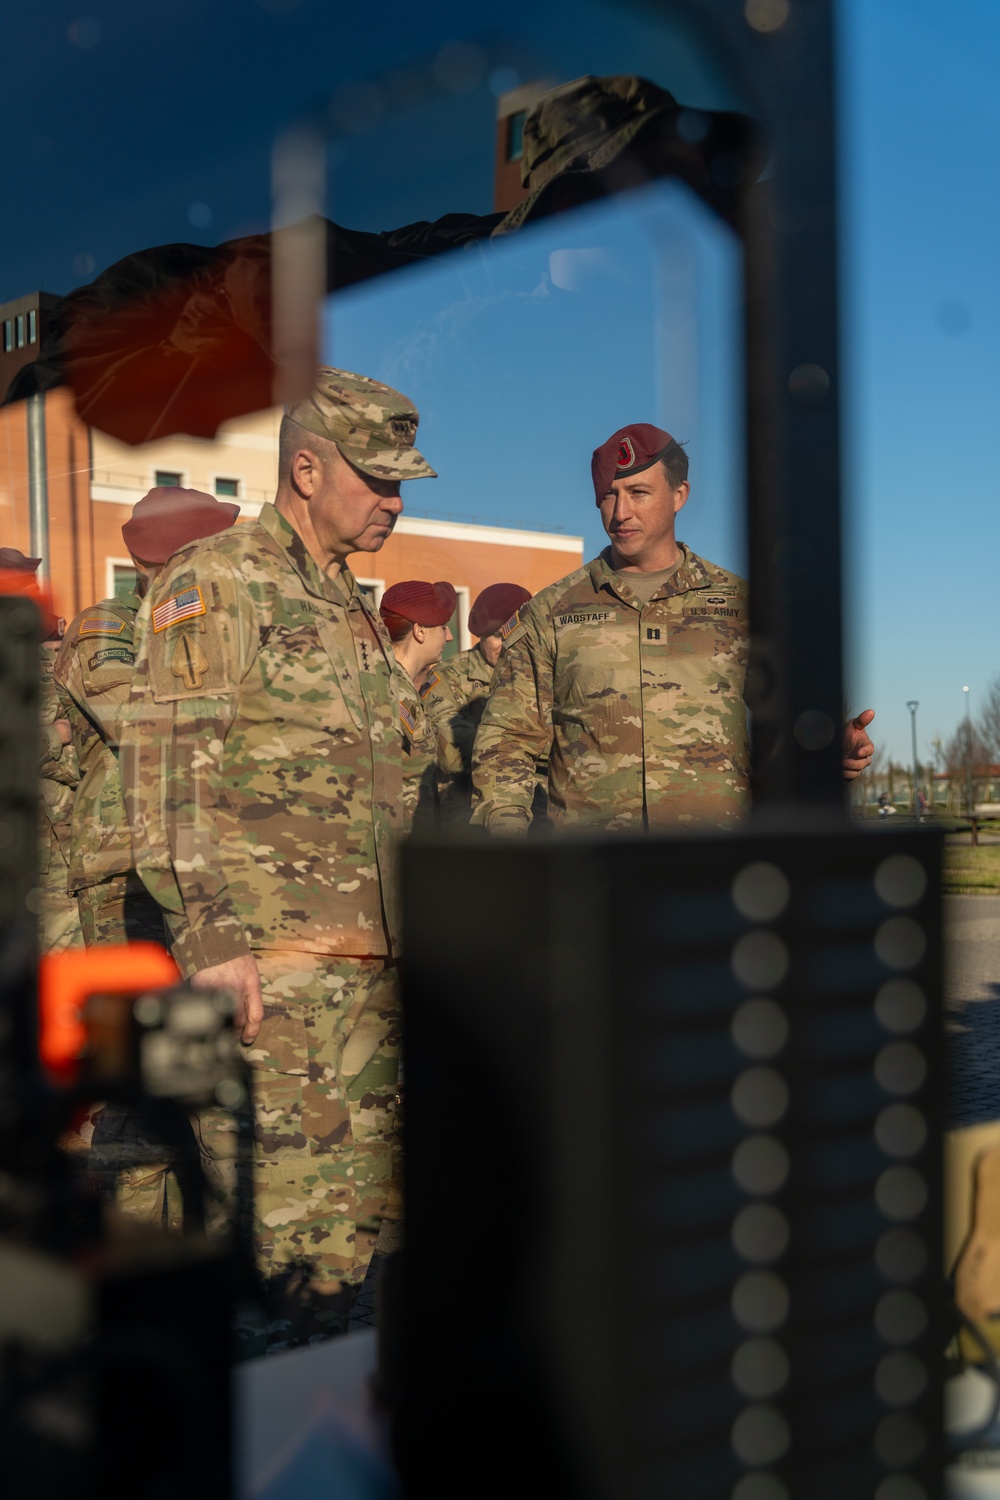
[(638, 705), (264, 778)]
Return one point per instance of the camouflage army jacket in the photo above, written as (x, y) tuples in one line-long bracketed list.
[(60, 770), (262, 747), (639, 706), (419, 759), (94, 673), (457, 695)]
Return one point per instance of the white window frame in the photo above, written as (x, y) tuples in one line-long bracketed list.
[(110, 564), (240, 486), (378, 584), (32, 325), (184, 484), (19, 330), (464, 637), (8, 335)]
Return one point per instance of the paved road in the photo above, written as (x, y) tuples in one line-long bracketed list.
[(972, 933)]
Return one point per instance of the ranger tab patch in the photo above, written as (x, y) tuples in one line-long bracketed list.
[(101, 625), (186, 605)]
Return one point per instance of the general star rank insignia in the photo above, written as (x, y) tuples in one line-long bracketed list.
[(189, 662)]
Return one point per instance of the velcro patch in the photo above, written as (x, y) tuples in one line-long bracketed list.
[(511, 624), (183, 606), (101, 625), (429, 682), (407, 720), (111, 653)]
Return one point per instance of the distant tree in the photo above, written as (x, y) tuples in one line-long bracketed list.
[(988, 723), (966, 747)]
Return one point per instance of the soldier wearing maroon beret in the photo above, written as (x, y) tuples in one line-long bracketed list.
[(457, 696), (94, 675), (416, 615), (628, 674)]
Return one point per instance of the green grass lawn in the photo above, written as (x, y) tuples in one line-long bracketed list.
[(968, 869)]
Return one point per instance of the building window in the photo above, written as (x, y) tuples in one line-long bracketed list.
[(19, 330), (228, 488), (8, 335), (515, 135), (168, 477), (32, 325), (124, 580)]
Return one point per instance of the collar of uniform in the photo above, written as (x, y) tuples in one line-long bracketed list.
[(305, 565), (690, 575), (131, 601), (478, 666)]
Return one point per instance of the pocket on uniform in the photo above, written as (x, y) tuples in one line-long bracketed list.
[(278, 1060), (305, 695)]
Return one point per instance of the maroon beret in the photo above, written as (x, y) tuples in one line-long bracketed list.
[(495, 606), (169, 518), (423, 603), (14, 561), (627, 451)]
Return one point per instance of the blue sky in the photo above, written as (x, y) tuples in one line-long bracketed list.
[(133, 125)]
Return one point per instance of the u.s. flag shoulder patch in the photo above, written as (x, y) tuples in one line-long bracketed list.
[(101, 625), (407, 720), (511, 624), (428, 685), (186, 605)]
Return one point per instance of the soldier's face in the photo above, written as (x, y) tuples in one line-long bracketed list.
[(434, 639), (638, 514), (490, 646), (352, 511)]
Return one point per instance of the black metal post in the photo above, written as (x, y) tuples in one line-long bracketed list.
[(913, 705)]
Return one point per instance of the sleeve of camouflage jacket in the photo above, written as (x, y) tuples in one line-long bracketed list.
[(183, 702), (454, 752), (516, 728), (54, 765), (103, 701)]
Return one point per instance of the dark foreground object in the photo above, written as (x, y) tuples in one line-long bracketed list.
[(682, 1116)]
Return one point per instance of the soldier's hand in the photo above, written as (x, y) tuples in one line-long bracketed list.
[(241, 976), (63, 730), (858, 748)]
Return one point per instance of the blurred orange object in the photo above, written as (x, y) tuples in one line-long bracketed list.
[(67, 980), (14, 581)]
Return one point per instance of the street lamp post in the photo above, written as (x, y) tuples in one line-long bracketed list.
[(913, 705), (968, 758)]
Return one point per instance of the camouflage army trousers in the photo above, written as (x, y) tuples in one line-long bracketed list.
[(324, 1067), (119, 910)]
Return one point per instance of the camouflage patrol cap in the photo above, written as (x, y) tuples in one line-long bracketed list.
[(627, 451), (373, 426)]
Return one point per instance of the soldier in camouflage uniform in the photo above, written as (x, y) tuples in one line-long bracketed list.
[(264, 787), (416, 615), (94, 674), (456, 698), (629, 673)]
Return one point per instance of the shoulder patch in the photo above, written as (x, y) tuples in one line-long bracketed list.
[(111, 653), (407, 720), (511, 624), (429, 684), (101, 625), (186, 605)]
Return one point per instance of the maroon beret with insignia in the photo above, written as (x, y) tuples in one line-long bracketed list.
[(421, 603), (495, 606), (627, 451), (168, 518)]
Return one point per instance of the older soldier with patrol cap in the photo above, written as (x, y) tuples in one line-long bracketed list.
[(265, 787), (458, 691), (416, 615), (629, 673), (94, 673)]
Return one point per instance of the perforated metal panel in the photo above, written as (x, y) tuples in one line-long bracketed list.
[(699, 1086)]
